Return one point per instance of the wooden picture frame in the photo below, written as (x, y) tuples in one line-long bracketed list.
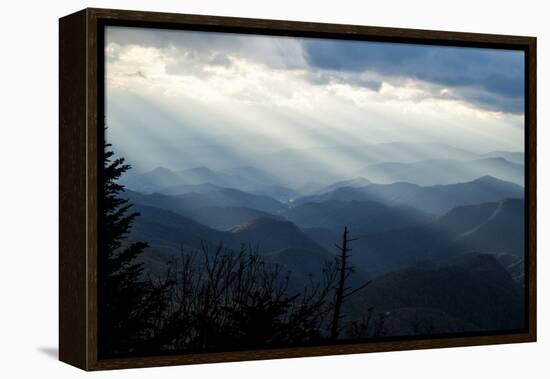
[(81, 111)]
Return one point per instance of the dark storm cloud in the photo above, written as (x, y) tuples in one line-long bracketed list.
[(489, 78), (492, 100), (323, 77)]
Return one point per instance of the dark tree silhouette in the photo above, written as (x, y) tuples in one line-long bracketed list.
[(343, 290), (130, 306), (235, 300)]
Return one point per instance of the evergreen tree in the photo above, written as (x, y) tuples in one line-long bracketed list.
[(130, 306)]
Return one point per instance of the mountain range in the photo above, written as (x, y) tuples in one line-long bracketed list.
[(498, 228), (429, 224), (366, 216), (306, 171), (279, 240), (474, 293), (432, 199), (432, 172), (390, 237)]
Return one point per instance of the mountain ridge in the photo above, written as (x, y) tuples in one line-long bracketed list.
[(443, 171), (431, 199)]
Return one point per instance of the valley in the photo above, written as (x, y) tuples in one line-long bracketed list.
[(405, 231)]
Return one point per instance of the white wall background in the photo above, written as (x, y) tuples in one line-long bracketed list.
[(28, 201)]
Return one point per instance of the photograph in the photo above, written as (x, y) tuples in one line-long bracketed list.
[(265, 191)]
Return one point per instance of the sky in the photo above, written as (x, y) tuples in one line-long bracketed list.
[(222, 99)]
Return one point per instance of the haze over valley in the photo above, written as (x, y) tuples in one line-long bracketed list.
[(435, 228)]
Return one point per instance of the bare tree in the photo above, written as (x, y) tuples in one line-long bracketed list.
[(343, 290), (227, 299), (380, 329), (360, 329)]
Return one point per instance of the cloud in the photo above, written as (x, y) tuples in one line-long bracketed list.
[(326, 77), (170, 92), (216, 48), (487, 78), (492, 79)]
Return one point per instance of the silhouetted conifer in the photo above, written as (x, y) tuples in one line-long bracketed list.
[(130, 305)]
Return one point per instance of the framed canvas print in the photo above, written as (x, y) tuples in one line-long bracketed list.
[(237, 189)]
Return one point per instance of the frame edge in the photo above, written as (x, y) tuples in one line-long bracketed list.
[(531, 125), (72, 193)]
